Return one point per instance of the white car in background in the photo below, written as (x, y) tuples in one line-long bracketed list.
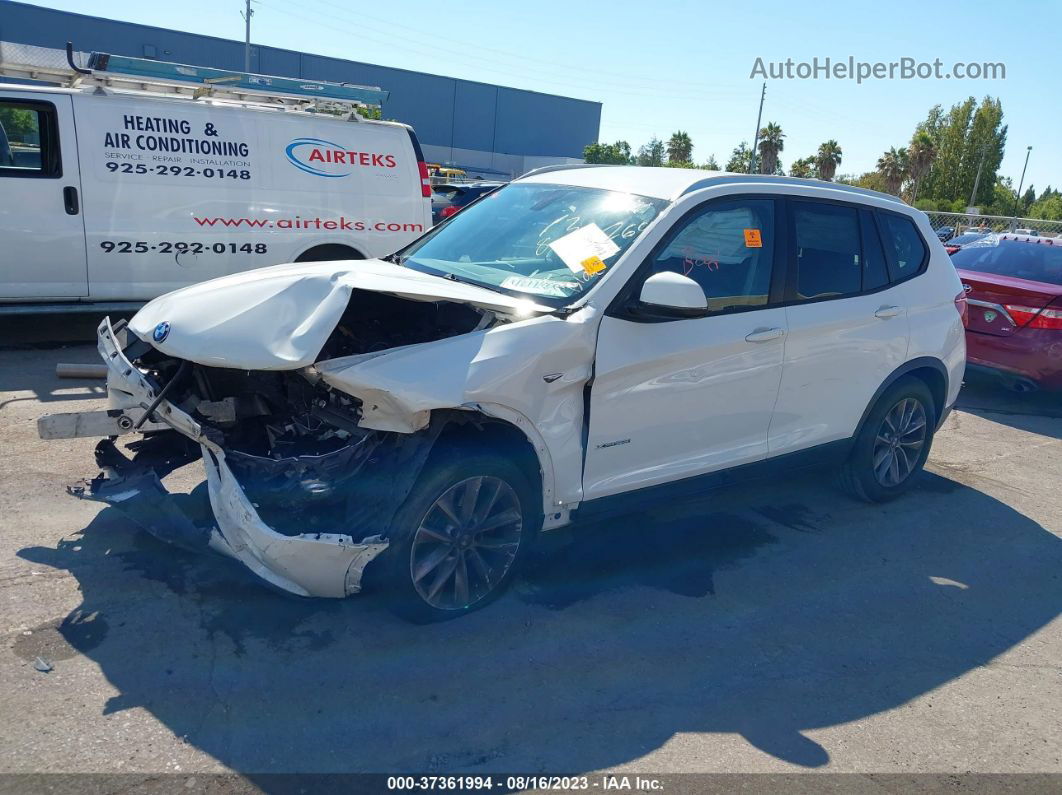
[(580, 340)]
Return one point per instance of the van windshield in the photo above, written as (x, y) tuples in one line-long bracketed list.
[(549, 242)]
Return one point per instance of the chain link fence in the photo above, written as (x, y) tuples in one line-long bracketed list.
[(961, 222)]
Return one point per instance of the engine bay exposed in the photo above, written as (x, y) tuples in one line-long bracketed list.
[(294, 442)]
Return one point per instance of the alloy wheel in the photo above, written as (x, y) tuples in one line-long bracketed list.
[(466, 543), (899, 442)]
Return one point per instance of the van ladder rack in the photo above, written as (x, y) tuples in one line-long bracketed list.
[(105, 70), (211, 81)]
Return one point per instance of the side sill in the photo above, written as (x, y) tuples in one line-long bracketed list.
[(823, 455)]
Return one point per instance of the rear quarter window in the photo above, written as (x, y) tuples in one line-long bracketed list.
[(905, 251)]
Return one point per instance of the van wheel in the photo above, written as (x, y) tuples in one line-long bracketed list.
[(460, 537), (328, 253), (893, 445)]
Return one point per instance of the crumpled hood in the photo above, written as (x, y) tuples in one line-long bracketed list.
[(279, 318)]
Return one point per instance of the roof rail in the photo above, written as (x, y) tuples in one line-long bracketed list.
[(728, 178), (560, 167)]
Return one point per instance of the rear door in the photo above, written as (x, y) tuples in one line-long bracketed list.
[(42, 235), (848, 326)]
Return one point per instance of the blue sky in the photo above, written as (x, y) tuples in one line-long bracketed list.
[(661, 66)]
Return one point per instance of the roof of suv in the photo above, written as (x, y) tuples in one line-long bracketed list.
[(671, 183)]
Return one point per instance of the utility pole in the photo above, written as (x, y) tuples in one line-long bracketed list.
[(1021, 182), (247, 14), (977, 179), (756, 137)]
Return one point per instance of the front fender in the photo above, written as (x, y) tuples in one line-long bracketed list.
[(530, 373)]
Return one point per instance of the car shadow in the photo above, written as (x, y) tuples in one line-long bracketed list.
[(1027, 411), (765, 611)]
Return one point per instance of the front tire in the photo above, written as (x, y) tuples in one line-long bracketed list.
[(461, 536), (893, 444)]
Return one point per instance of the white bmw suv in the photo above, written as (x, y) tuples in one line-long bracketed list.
[(580, 339)]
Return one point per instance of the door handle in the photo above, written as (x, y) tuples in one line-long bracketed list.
[(765, 334), (885, 312), (70, 200)]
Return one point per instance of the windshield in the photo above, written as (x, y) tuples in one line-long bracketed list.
[(546, 242), (1037, 262)]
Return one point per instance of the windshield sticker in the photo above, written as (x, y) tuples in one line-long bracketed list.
[(582, 244), (752, 238), (527, 284), (592, 265)]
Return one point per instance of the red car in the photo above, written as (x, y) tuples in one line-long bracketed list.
[(1013, 287)]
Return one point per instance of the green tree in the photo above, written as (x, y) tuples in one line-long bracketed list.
[(711, 164), (740, 159), (893, 169), (803, 168), (827, 159), (920, 155), (770, 145), (19, 123), (1028, 199), (652, 153), (617, 154), (679, 148), (1049, 209)]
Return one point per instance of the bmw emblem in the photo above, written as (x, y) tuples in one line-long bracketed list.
[(161, 332)]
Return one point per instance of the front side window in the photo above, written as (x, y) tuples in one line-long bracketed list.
[(904, 248), (828, 250), (27, 140), (549, 243), (728, 249)]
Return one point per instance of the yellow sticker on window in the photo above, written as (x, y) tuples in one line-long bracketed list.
[(593, 265), (752, 238)]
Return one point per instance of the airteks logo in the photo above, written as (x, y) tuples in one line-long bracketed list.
[(327, 159)]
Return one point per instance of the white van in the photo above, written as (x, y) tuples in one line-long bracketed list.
[(122, 195)]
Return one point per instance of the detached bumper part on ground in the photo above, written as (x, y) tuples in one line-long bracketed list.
[(326, 564)]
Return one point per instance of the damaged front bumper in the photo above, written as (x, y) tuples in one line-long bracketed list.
[(308, 564)]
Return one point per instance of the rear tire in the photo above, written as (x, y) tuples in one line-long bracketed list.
[(893, 444), (465, 530)]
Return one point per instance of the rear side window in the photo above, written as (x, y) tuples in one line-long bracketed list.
[(904, 249), (728, 249), (828, 250), (875, 272), (29, 142)]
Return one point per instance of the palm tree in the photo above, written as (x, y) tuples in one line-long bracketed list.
[(770, 145), (920, 156), (803, 168), (893, 169), (679, 148), (827, 159)]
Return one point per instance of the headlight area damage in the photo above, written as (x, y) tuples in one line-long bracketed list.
[(300, 492)]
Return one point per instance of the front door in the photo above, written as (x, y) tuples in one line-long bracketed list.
[(682, 396), (42, 234)]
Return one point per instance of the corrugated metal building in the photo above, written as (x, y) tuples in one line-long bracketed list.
[(490, 130)]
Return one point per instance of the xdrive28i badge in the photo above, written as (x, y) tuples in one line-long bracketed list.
[(161, 332)]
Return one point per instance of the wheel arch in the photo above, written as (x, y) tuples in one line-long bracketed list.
[(327, 251), (501, 428), (932, 372)]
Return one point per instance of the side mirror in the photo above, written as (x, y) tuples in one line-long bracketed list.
[(673, 291)]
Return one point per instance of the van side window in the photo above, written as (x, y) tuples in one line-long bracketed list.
[(29, 141), (904, 247), (828, 250), (728, 249)]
